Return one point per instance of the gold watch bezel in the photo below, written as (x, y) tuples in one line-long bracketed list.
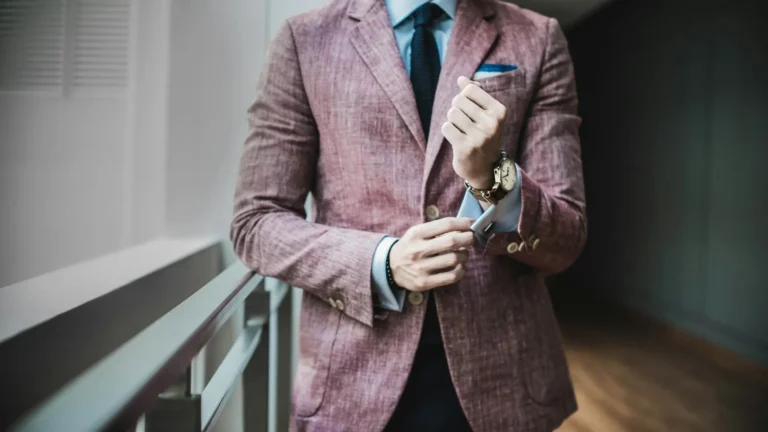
[(497, 172)]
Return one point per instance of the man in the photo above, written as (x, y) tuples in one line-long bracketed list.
[(398, 116)]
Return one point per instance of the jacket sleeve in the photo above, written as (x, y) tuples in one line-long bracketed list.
[(552, 228), (269, 230)]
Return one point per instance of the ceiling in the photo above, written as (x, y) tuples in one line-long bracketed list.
[(568, 12)]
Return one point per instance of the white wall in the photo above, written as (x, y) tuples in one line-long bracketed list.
[(147, 156), (217, 50), (61, 181), (83, 174)]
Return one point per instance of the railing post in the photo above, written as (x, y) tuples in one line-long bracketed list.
[(177, 409), (284, 323), (256, 389), (256, 375)]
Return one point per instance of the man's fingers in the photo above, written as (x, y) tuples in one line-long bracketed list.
[(449, 277), (464, 81), (452, 133), (475, 93), (441, 226), (479, 96), (448, 243), (460, 120), (471, 109), (445, 261)]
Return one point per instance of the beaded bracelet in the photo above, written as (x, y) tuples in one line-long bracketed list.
[(390, 279)]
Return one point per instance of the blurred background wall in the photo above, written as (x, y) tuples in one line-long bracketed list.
[(674, 98)]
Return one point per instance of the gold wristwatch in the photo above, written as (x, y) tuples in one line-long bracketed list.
[(504, 180)]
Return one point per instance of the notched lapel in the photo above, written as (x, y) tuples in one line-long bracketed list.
[(473, 36), (374, 40)]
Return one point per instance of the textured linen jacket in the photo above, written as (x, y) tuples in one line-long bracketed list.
[(336, 116)]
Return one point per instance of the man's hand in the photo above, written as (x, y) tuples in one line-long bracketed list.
[(474, 130), (432, 254)]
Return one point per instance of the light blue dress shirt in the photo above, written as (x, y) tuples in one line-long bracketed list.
[(504, 216)]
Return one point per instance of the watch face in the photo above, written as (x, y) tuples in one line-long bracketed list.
[(508, 174)]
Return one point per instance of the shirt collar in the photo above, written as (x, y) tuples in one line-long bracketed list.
[(399, 10)]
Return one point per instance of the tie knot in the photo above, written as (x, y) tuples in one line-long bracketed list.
[(426, 14)]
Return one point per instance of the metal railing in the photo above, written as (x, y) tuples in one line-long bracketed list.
[(150, 377)]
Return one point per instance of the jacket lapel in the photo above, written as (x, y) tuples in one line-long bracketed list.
[(473, 36), (374, 40)]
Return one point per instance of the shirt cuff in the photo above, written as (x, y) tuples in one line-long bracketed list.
[(384, 296), (502, 217)]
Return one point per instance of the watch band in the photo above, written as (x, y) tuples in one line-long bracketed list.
[(491, 196), (496, 193)]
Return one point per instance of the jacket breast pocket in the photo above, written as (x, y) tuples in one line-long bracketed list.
[(317, 341), (511, 80), (510, 89)]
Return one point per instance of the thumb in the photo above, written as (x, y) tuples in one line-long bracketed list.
[(464, 81)]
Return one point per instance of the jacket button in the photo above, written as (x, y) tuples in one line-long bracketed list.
[(415, 298), (340, 305), (332, 302), (432, 212), (513, 247)]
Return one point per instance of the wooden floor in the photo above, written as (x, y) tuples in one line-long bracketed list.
[(632, 376)]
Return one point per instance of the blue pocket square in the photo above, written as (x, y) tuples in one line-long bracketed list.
[(491, 67)]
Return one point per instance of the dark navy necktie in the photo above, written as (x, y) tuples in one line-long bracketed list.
[(425, 61), (425, 71)]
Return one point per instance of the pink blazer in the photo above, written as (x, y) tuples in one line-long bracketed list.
[(336, 116)]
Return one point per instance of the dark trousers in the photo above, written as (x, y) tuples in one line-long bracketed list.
[(429, 402)]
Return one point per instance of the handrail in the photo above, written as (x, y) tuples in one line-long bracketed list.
[(117, 390)]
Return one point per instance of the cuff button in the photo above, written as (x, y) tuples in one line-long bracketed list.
[(513, 247)]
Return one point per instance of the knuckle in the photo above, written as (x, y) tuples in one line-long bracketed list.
[(493, 129), (460, 270), (501, 112), (412, 256)]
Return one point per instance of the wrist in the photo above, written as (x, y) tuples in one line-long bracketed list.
[(483, 182)]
